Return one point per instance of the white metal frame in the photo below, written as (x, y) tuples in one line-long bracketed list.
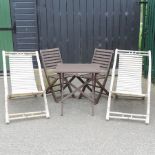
[(15, 116), (130, 116)]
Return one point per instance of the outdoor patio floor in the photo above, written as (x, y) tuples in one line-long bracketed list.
[(77, 132)]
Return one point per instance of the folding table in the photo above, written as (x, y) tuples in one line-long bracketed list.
[(77, 70)]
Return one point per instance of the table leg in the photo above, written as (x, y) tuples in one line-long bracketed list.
[(93, 91), (62, 90)]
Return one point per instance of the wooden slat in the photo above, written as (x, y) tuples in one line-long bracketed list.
[(51, 55), (53, 62), (102, 57), (53, 52), (50, 58)]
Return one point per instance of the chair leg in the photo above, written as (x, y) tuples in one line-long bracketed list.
[(54, 96), (83, 89), (98, 97), (69, 81), (93, 91), (100, 93), (106, 91), (68, 85), (46, 106), (6, 111), (148, 111), (61, 75), (50, 89), (102, 88), (108, 106)]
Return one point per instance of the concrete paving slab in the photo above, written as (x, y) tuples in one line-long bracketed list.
[(77, 132)]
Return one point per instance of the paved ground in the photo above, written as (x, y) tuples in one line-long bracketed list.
[(77, 132)]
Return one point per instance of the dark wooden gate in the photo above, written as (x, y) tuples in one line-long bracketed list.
[(24, 15), (78, 26)]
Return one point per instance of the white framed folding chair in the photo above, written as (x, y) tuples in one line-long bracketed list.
[(22, 82), (129, 82)]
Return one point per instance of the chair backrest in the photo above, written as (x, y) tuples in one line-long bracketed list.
[(129, 78), (103, 57), (129, 73), (22, 72), (50, 58)]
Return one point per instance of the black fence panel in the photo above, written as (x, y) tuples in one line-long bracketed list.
[(79, 26), (24, 17)]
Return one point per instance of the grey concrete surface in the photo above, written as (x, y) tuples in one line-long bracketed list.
[(77, 132)]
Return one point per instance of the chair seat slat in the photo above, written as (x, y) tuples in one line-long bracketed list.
[(129, 74), (22, 78)]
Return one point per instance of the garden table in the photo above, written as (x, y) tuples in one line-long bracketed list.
[(77, 70)]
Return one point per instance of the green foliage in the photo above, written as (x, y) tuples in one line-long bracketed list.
[(148, 33)]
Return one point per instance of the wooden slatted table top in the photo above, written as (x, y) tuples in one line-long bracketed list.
[(78, 68)]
